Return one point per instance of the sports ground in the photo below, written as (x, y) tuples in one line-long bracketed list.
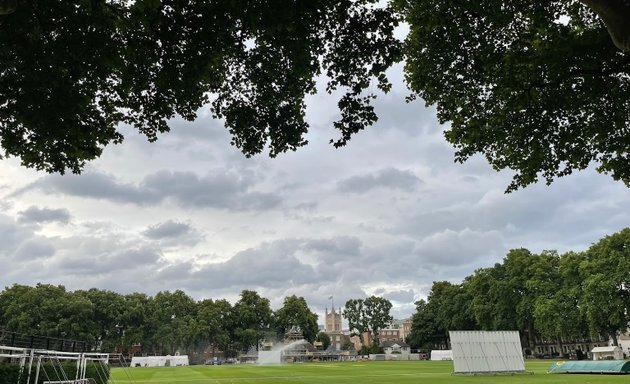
[(424, 372)]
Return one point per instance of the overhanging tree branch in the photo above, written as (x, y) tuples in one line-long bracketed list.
[(616, 16)]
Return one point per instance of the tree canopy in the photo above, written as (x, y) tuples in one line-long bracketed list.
[(323, 338), (215, 321), (72, 71), (606, 274), (295, 313), (367, 315), (535, 87), (425, 331), (252, 317)]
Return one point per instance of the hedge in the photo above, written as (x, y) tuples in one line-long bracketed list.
[(9, 373)]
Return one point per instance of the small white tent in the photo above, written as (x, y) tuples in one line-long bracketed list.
[(439, 354), (607, 353), (159, 361)]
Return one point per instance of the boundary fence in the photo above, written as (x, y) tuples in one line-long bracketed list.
[(19, 340)]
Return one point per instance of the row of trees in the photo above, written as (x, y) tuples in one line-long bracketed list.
[(171, 321), (556, 297), (162, 324)]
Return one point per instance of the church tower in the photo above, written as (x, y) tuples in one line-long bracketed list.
[(333, 320)]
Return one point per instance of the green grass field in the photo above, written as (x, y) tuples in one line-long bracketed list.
[(425, 372)]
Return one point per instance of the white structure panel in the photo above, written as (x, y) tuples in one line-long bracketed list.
[(441, 354), (158, 361), (486, 351)]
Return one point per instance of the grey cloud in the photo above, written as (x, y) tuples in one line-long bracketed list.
[(469, 179), (414, 119), (255, 201), (394, 261), (266, 266), (292, 265), (176, 272), (167, 229), (567, 215), (307, 207), (205, 129), (173, 234), (358, 261), (459, 248), (103, 255), (85, 262), (342, 245), (391, 178), (311, 267), (228, 190), (22, 251), (18, 243), (204, 138), (34, 249), (380, 291), (140, 255), (140, 279), (11, 235), (93, 185), (307, 213), (35, 214)]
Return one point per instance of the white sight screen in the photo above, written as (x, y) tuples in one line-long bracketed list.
[(486, 351)]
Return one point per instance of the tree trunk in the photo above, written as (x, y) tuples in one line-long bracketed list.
[(613, 336), (375, 337), (530, 335), (616, 16), (360, 339)]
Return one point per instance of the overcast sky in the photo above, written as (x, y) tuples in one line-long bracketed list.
[(386, 215)]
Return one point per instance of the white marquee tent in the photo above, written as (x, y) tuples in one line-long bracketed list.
[(159, 361)]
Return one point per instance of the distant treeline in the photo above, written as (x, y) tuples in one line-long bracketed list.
[(550, 296), (162, 324)]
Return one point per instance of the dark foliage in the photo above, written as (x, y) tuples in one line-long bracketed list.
[(72, 71), (535, 87)]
